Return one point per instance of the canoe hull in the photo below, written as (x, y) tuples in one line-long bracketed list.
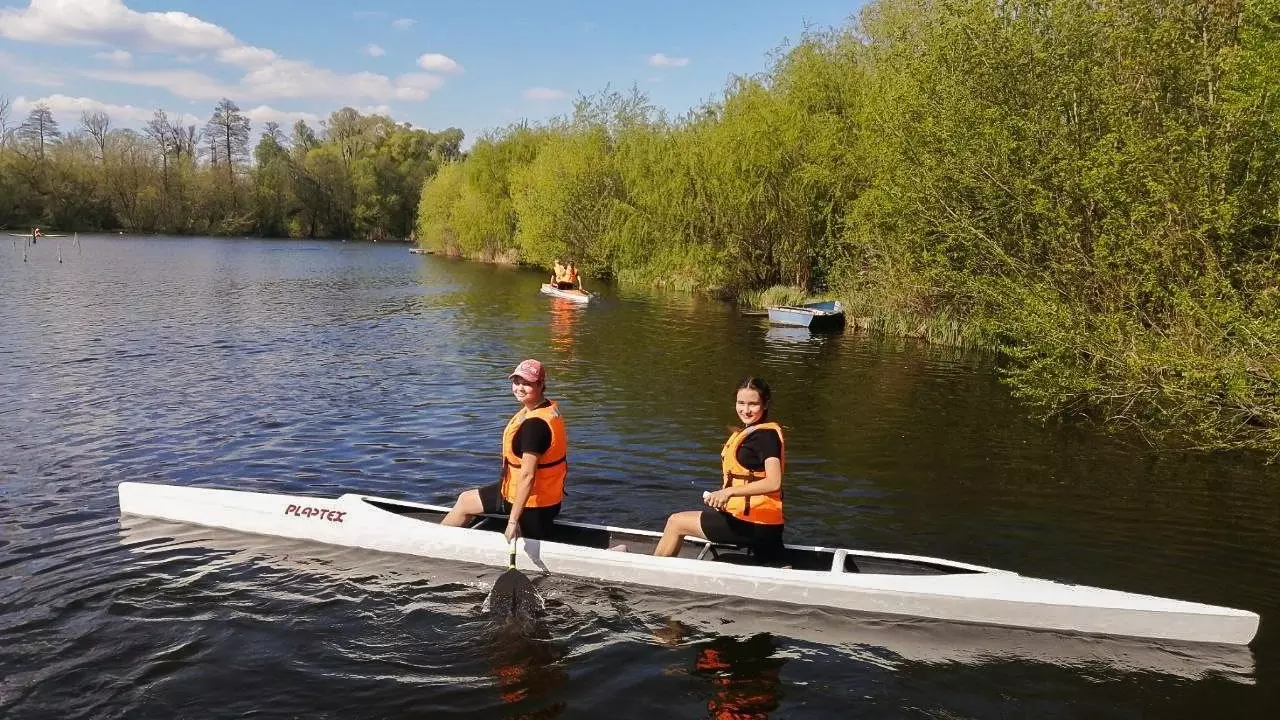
[(578, 296), (958, 592)]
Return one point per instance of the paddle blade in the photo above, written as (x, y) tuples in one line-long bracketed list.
[(514, 595)]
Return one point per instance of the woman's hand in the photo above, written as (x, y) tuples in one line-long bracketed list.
[(513, 530), (718, 499)]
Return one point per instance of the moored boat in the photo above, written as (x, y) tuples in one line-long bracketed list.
[(864, 581), (825, 315), (575, 295)]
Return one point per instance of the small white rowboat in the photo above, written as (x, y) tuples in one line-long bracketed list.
[(863, 581), (575, 295)]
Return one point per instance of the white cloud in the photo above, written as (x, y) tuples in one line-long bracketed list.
[(247, 56), (66, 110), (293, 79), (265, 113), (183, 83), (661, 60), (374, 110), (109, 22), (115, 57), (266, 75), (403, 23), (543, 93), (436, 62), (374, 50)]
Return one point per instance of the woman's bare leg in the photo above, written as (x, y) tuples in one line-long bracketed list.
[(679, 525), (467, 507)]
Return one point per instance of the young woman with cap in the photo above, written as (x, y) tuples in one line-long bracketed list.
[(534, 451)]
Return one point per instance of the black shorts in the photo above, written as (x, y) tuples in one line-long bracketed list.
[(565, 286), (535, 523), (764, 541)]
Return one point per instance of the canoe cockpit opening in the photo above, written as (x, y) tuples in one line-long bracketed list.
[(820, 560), (871, 565), (410, 511)]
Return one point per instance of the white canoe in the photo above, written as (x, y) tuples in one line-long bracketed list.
[(864, 581), (581, 296)]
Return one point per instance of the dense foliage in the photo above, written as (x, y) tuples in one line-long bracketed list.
[(359, 177), (1092, 186)]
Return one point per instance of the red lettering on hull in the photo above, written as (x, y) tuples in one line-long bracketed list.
[(318, 513)]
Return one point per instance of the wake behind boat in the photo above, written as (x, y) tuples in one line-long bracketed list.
[(873, 582), (580, 296)]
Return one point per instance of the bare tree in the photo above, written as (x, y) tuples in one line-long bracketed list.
[(273, 131), (39, 129), (97, 124), (228, 132), (161, 132), (187, 140)]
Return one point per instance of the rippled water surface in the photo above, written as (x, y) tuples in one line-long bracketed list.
[(329, 367)]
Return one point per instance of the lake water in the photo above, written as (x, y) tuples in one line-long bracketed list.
[(325, 367)]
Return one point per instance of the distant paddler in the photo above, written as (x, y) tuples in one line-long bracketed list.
[(35, 233), (564, 276)]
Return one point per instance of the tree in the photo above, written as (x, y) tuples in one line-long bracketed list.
[(304, 138), (97, 124), (228, 132), (271, 180), (39, 129)]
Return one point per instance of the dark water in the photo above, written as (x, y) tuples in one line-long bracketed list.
[(328, 367)]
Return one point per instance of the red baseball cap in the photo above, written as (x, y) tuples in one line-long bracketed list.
[(530, 370)]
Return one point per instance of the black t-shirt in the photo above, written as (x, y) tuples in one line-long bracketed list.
[(758, 447), (533, 436)]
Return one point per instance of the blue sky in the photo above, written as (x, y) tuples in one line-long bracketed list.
[(476, 65)]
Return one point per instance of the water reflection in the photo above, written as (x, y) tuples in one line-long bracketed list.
[(564, 315), (744, 674), (527, 668)]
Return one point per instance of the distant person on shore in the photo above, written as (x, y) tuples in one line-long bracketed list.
[(35, 233), (534, 454), (747, 509)]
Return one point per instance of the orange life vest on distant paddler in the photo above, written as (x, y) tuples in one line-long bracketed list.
[(759, 509), (548, 479)]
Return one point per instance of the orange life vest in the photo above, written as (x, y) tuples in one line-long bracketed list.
[(548, 479), (571, 275), (759, 509)]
